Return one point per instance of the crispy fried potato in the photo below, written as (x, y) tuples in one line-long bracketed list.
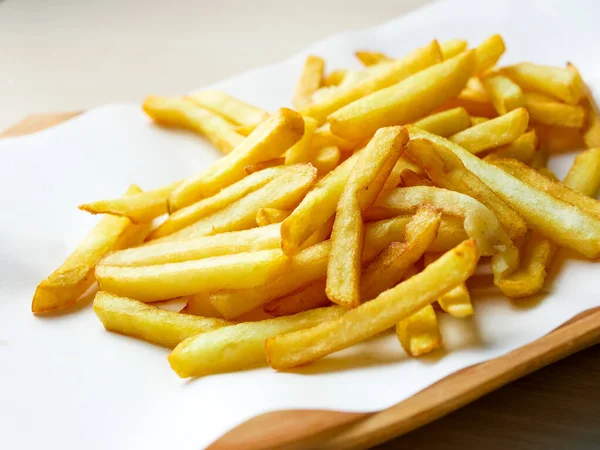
[(555, 139), (543, 213), (522, 149), (505, 94), (70, 281), (254, 239), (139, 208), (316, 208), (494, 132), (270, 139), (489, 52), (240, 346), (446, 123), (591, 135), (389, 267), (457, 301), (268, 216), (371, 318), (366, 179), (164, 281), (478, 105), (368, 58), (302, 151), (310, 80), (283, 191), (326, 159), (182, 113), (229, 107), (584, 174), (309, 297), (335, 77), (452, 47), (323, 137), (405, 101), (408, 178), (149, 323), (200, 305), (477, 120), (395, 176), (563, 84), (545, 110), (419, 334), (395, 72), (253, 168), (447, 171)]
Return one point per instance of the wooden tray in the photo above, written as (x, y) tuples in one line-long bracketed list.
[(332, 429)]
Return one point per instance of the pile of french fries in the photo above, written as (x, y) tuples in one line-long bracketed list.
[(367, 208)]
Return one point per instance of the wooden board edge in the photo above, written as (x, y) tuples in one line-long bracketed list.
[(37, 122)]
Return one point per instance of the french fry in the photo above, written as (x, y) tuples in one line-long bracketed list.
[(229, 107), (326, 159), (366, 179), (139, 208), (477, 104), (446, 123), (477, 120), (494, 132), (389, 267), (457, 301), (591, 135), (452, 47), (70, 281), (480, 223), (270, 139), (200, 305), (395, 72), (446, 170), (309, 297), (149, 323), (489, 52), (268, 216), (321, 234), (371, 318), (164, 281), (254, 239), (396, 174), (556, 139), (182, 113), (584, 174), (543, 213), (408, 178), (523, 148), (301, 151), (414, 97), (323, 137), (310, 80), (253, 168), (419, 334), (505, 94), (316, 208), (335, 77), (245, 130), (368, 58), (239, 346), (545, 110), (563, 84)]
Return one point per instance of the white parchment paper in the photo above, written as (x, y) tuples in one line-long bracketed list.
[(67, 383)]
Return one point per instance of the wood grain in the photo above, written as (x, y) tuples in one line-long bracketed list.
[(332, 429)]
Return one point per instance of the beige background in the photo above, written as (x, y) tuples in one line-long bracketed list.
[(60, 55)]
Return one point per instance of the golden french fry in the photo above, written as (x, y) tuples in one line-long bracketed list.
[(409, 178), (323, 137), (310, 80), (254, 239), (149, 323), (301, 151), (200, 305), (505, 94), (389, 267), (477, 120), (405, 101), (139, 208), (368, 58), (545, 110), (335, 77), (396, 174), (591, 135), (477, 104), (284, 191), (446, 170), (321, 234), (543, 213), (70, 281), (584, 174), (245, 130), (394, 72), (563, 84), (229, 107), (252, 168), (164, 281), (326, 159), (366, 179), (494, 132), (457, 301), (270, 139), (240, 346), (446, 123), (555, 139), (371, 318), (489, 52), (182, 113), (316, 208), (452, 47), (523, 148), (268, 216), (419, 334), (308, 297)]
